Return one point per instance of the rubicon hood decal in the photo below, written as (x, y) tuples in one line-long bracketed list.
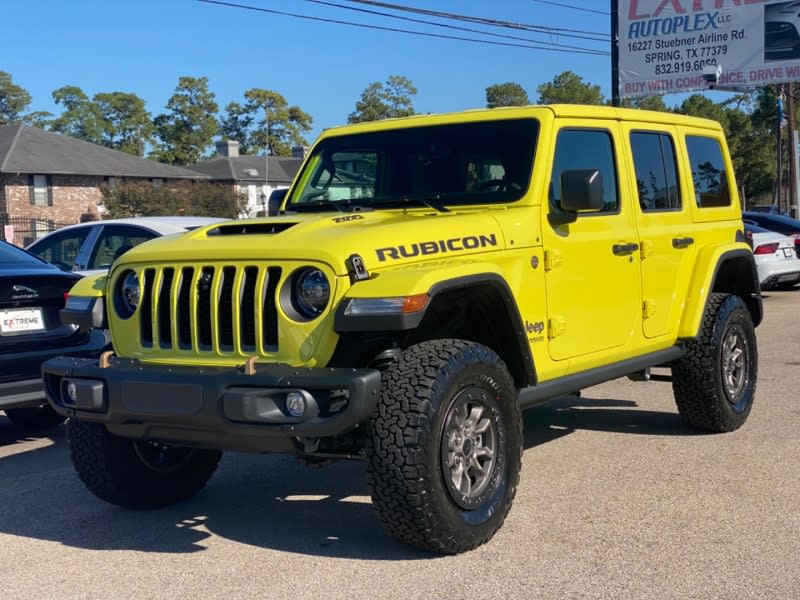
[(456, 244)]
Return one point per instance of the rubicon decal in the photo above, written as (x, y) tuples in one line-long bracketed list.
[(457, 244)]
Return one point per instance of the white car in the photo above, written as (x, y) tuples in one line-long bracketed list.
[(776, 260), (90, 248), (782, 31)]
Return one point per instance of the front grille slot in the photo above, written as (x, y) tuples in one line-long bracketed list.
[(225, 309), (269, 311), (203, 313), (164, 308), (247, 310), (184, 309), (218, 309), (146, 310)]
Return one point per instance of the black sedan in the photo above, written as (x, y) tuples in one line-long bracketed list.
[(32, 292)]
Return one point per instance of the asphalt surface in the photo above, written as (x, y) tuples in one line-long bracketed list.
[(617, 500)]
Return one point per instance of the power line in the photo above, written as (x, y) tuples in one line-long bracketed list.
[(454, 27), (599, 36), (397, 30), (573, 7)]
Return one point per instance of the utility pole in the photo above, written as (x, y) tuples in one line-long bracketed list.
[(776, 200), (614, 53), (793, 185), (265, 195)]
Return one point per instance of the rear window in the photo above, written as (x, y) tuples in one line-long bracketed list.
[(708, 172), (13, 257)]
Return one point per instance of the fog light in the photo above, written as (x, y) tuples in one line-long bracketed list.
[(295, 404), (72, 392)]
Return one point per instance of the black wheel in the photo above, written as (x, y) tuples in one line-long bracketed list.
[(714, 383), (445, 446), (34, 417), (136, 473)]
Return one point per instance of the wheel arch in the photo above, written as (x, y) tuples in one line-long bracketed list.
[(485, 313), (476, 307), (731, 271)]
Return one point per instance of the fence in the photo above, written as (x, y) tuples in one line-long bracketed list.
[(22, 231)]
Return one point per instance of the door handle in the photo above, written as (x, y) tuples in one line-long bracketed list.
[(624, 249), (683, 242)]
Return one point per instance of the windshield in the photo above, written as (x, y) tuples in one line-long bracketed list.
[(464, 163)]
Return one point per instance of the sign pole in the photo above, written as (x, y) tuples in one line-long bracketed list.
[(614, 53)]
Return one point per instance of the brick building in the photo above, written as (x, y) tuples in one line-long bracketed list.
[(48, 180)]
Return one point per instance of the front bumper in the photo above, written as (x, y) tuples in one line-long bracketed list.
[(210, 407)]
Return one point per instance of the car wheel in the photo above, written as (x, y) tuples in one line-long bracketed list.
[(715, 381), (445, 446), (137, 473), (34, 417)]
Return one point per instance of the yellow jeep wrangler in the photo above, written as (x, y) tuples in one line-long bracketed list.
[(421, 282)]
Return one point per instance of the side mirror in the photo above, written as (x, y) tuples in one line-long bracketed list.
[(582, 190), (275, 201)]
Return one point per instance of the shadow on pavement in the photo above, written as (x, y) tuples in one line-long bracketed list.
[(266, 501)]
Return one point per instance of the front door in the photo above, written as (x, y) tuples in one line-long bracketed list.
[(591, 264)]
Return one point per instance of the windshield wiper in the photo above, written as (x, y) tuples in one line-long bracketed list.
[(300, 207), (430, 202)]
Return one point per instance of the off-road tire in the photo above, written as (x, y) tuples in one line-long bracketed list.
[(715, 381), (34, 417), (422, 432), (133, 473)]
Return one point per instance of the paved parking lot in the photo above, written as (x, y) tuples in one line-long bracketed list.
[(617, 500)]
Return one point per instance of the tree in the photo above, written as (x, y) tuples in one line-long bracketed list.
[(13, 100), (645, 103), (237, 125), (265, 121), (698, 105), (569, 88), (80, 118), (506, 94), (190, 124), (385, 101), (282, 125), (126, 124), (200, 198)]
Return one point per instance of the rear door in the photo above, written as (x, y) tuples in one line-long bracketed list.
[(667, 241)]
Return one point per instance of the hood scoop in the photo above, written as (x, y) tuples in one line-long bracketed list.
[(250, 229)]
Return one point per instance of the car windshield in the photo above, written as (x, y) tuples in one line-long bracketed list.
[(430, 166)]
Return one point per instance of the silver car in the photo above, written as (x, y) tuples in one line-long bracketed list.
[(90, 248), (776, 260)]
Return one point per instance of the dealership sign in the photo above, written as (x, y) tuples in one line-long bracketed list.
[(671, 46)]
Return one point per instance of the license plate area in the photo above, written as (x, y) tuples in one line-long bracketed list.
[(19, 321), (788, 252)]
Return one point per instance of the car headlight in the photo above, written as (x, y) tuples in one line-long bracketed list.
[(128, 294), (309, 294)]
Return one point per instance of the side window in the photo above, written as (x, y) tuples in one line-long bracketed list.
[(708, 172), (656, 174), (585, 149), (61, 249), (114, 241)]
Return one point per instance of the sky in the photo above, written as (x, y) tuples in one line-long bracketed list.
[(145, 46)]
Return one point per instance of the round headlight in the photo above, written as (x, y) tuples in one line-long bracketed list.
[(310, 292), (129, 293)]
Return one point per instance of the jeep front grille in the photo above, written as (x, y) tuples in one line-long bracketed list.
[(219, 309)]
